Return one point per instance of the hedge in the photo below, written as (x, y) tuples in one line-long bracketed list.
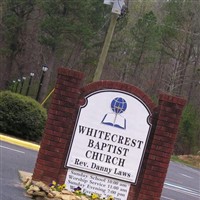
[(21, 116)]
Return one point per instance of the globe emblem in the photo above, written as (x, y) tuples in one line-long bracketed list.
[(118, 105), (115, 119)]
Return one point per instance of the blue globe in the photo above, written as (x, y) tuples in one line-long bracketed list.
[(118, 105)]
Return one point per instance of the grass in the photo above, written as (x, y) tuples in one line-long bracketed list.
[(190, 160)]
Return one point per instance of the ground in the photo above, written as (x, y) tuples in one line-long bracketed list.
[(191, 160)]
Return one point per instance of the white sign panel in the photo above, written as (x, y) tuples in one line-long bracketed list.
[(91, 183), (110, 135)]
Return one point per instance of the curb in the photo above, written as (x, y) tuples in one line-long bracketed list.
[(18, 142)]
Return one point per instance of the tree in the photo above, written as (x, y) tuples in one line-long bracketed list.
[(189, 138), (68, 25), (146, 37), (178, 43), (14, 21)]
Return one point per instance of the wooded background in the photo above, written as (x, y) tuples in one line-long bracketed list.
[(156, 47)]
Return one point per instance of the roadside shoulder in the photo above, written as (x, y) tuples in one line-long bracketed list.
[(18, 142)]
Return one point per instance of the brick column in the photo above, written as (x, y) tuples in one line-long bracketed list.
[(59, 127), (161, 146)]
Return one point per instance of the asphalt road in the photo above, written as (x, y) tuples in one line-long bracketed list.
[(12, 159), (182, 182)]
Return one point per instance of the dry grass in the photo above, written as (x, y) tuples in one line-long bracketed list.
[(191, 160)]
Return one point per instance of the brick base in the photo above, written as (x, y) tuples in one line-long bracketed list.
[(67, 97)]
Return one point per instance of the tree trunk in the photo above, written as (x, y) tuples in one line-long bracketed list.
[(47, 77), (158, 77), (6, 75), (193, 74), (137, 64), (184, 64), (124, 75), (75, 54)]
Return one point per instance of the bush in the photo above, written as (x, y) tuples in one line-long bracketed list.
[(188, 139), (21, 116)]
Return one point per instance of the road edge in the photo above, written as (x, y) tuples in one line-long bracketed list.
[(18, 142)]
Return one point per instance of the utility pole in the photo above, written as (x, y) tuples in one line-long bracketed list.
[(116, 11), (105, 48)]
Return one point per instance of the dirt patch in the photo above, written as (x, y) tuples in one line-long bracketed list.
[(192, 160)]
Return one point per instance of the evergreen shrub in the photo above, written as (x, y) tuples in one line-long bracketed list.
[(189, 132), (21, 116)]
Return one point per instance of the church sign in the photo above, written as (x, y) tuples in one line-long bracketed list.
[(110, 135), (93, 183)]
